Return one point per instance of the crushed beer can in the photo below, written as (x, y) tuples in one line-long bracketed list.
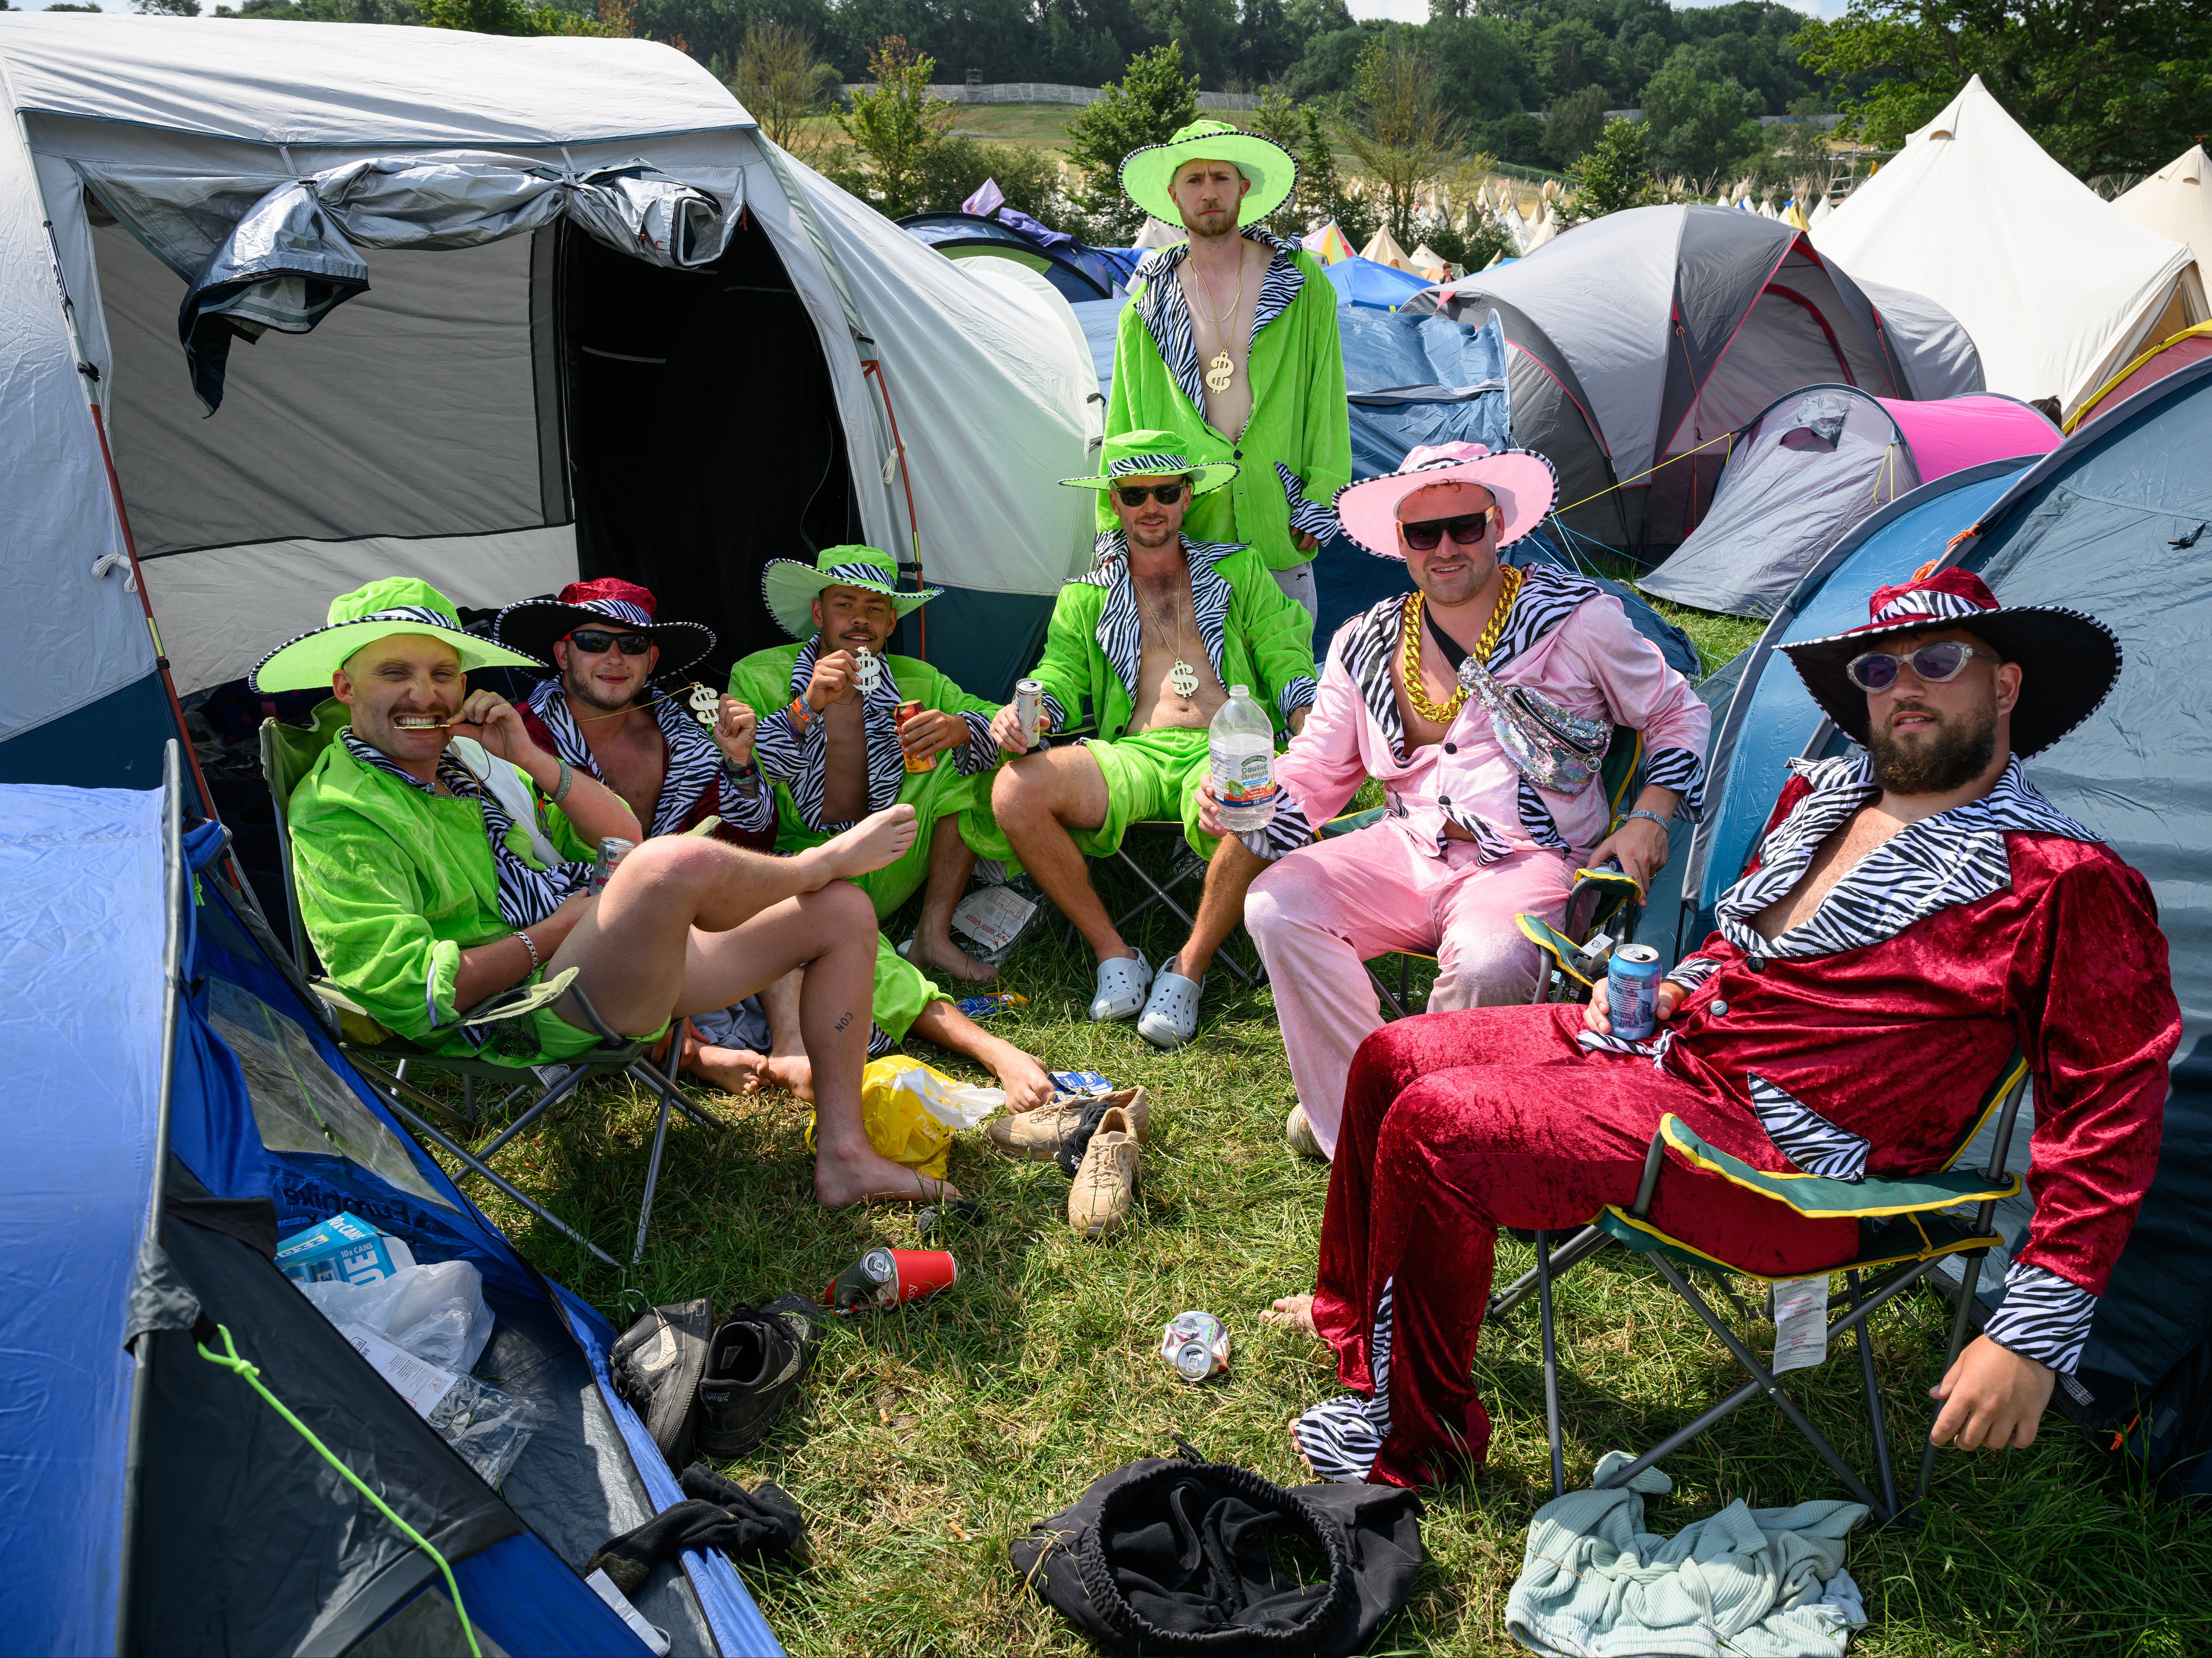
[(1195, 1345), (1080, 1084), (891, 1278)]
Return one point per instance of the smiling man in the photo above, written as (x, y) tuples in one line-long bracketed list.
[(1230, 340), (442, 857), (1915, 912)]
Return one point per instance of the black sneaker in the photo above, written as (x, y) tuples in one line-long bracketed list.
[(656, 1366), (756, 1362)]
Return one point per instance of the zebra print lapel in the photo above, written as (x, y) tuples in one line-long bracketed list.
[(694, 764), (1956, 857), (1166, 313), (1119, 634), (1548, 596), (806, 772), (1365, 644)]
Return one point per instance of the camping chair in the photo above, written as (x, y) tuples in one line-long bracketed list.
[(1600, 898), (383, 1057), (1187, 864), (1903, 1237)]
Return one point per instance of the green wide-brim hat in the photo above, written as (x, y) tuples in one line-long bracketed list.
[(397, 604), (790, 587), (1154, 454), (1146, 172)]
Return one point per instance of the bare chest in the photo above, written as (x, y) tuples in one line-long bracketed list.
[(1176, 684), (1437, 686), (635, 766), (1221, 315), (1834, 858)]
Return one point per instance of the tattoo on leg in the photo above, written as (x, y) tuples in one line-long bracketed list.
[(845, 1020)]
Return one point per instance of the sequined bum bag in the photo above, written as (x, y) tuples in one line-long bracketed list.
[(1552, 748)]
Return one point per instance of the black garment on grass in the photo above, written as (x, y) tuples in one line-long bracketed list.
[(720, 1515), (1185, 1555)]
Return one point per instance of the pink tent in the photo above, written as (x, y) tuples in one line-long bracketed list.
[(1813, 465)]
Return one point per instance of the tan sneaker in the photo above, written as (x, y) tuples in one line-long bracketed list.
[(1299, 1132), (1038, 1134), (1106, 1184)]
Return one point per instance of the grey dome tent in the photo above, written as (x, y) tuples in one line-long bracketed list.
[(1640, 340), (1812, 464), (498, 312), (2113, 522)]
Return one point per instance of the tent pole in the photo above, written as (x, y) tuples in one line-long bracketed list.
[(873, 367)]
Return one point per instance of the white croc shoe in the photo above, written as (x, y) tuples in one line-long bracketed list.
[(1122, 984), (1170, 1017)]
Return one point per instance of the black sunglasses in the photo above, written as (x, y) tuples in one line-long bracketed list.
[(1467, 529), (591, 641), (1133, 494), (1944, 660)]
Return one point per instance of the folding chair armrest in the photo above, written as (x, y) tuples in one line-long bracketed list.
[(1566, 953), (1352, 821), (1815, 1197), (1597, 895)]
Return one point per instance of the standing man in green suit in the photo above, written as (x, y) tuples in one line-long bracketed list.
[(1230, 341)]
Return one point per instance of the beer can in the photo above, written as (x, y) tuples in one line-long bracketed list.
[(906, 712), (1194, 1345), (891, 1278), (1029, 709), (1631, 991), (612, 850)]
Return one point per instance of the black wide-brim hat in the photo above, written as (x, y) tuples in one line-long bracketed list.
[(616, 605), (2069, 661)]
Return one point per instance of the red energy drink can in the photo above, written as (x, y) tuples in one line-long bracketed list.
[(891, 1278), (906, 712)]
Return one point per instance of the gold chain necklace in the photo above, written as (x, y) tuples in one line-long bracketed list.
[(1219, 371), (1183, 678), (1410, 649)]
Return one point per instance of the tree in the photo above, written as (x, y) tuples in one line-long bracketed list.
[(1697, 126), (955, 169), (782, 82), (1152, 100), (896, 125), (506, 17), (1611, 175), (168, 8), (2103, 85), (1398, 130), (1321, 196), (1574, 122), (1279, 121)]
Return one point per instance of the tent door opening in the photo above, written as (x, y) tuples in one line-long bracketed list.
[(703, 434)]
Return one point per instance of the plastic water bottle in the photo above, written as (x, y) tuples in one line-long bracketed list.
[(1241, 744)]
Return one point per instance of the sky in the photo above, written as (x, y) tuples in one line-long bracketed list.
[(1416, 11)]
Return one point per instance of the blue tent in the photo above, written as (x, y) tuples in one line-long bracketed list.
[(1368, 282), (2113, 522), (175, 1106)]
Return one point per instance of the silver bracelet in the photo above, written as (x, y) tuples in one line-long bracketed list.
[(1648, 817), (536, 960)]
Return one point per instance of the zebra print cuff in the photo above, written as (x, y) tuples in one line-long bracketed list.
[(1693, 970), (745, 808), (980, 751), (1307, 517), (2044, 1317), (1297, 694), (1286, 832), (1055, 713), (1682, 771), (779, 746)]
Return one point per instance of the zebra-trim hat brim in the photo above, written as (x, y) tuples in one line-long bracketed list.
[(2069, 662), (1205, 476), (307, 662), (790, 588), (1523, 482), (534, 625)]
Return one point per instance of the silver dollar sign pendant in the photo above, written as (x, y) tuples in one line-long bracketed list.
[(704, 704), (1182, 677), (1219, 372), (870, 671)]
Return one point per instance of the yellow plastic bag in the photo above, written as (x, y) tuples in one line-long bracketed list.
[(911, 1112)]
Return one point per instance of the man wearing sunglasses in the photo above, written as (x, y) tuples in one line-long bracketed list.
[(1142, 652), (1477, 834), (1915, 912)]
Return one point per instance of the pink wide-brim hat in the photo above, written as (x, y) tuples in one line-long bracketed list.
[(1521, 481)]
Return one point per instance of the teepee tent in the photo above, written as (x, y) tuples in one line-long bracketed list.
[(1382, 248), (2058, 288), (1328, 244), (1156, 233), (526, 310), (2176, 201)]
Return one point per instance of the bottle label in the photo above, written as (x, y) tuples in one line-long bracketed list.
[(1241, 779)]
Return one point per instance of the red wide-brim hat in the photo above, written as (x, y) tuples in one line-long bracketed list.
[(611, 602)]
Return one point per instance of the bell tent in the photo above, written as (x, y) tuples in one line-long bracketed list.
[(1813, 463), (2057, 287), (1640, 340), (2176, 202), (496, 313)]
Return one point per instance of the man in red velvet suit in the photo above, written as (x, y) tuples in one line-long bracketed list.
[(1916, 910)]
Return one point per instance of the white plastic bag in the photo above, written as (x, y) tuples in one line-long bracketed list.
[(436, 1312)]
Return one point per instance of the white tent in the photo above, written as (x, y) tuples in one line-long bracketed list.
[(1158, 233), (2058, 288), (1382, 248), (2176, 201), (593, 323)]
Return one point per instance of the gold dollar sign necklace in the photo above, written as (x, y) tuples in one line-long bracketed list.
[(1219, 371), (1183, 678)]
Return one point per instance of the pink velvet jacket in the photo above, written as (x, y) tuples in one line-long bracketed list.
[(1565, 637), (1865, 1038)]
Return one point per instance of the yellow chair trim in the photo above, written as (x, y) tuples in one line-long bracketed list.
[(1929, 1251), (1553, 943), (1672, 1128), (1997, 1096)]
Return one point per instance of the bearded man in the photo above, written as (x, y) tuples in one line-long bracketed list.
[(1916, 913)]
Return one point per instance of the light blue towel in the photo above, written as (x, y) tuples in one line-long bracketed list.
[(1746, 1583)]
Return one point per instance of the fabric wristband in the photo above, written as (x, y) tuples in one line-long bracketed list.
[(567, 781), (1648, 817)]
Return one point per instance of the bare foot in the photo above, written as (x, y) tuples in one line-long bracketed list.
[(1292, 1313), (877, 840), (853, 1177), (943, 959), (741, 1071)]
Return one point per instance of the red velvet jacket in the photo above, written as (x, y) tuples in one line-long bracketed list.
[(1865, 1038)]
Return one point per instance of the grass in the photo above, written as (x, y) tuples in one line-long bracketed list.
[(925, 1439)]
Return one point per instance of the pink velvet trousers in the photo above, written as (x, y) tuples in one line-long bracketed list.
[(1322, 911)]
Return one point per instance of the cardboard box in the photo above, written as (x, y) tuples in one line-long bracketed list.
[(345, 1249)]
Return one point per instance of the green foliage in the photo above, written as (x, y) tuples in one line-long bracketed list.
[(505, 17), (782, 82), (1613, 174), (1280, 122), (1399, 129), (896, 125), (1321, 196), (1575, 121), (168, 8), (1150, 101), (2104, 85), (324, 11), (954, 169), (1698, 125)]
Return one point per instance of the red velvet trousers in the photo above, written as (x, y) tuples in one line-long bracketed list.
[(1456, 1124)]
